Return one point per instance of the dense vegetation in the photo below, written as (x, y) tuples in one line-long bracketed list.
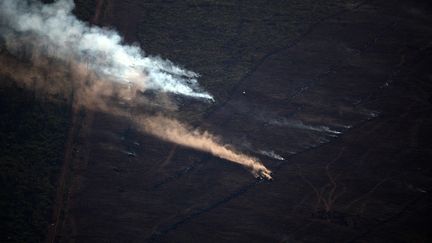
[(32, 138)]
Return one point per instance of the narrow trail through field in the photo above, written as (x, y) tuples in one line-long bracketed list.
[(76, 129), (58, 203), (96, 17)]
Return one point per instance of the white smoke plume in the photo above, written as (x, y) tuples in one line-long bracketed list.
[(57, 33), (272, 154), (97, 66), (300, 125)]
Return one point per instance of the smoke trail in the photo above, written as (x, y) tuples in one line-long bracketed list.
[(57, 33), (95, 64), (271, 154), (174, 131), (301, 125)]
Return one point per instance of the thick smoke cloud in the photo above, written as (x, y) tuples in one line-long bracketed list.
[(68, 55), (57, 33)]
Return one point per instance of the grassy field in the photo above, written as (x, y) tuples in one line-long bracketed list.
[(221, 40), (33, 132), (175, 194), (225, 40), (31, 152)]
